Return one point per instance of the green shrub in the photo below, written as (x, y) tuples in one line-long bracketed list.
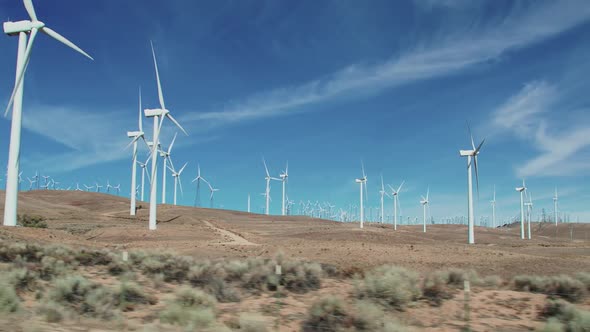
[(492, 281), (552, 325), (390, 286), (222, 291), (89, 257), (327, 315), (174, 268), (300, 277), (584, 278), (571, 318), (191, 308), (51, 267), (52, 312), (9, 301), (435, 289), (22, 279), (11, 252), (129, 294), (31, 221), (118, 267), (558, 286), (83, 297)]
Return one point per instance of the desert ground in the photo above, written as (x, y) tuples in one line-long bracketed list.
[(102, 221)]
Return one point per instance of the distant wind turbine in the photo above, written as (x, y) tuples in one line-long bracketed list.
[(521, 191), (135, 135), (425, 201), (493, 201), (471, 158), (382, 192), (362, 181), (395, 194), (176, 176), (284, 178), (555, 198)]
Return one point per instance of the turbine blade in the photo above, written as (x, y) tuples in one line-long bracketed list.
[(172, 144), (470, 136), (479, 146), (63, 40), (160, 94), (180, 184), (363, 168), (182, 169), (391, 188), (131, 143), (382, 186), (30, 9), (176, 123), (427, 193), (400, 186), (265, 168), (20, 71), (476, 174)]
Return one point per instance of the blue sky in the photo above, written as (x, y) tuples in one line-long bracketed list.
[(322, 85)]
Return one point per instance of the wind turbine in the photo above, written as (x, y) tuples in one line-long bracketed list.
[(166, 156), (198, 179), (395, 194), (31, 183), (78, 187), (117, 188), (211, 191), (471, 157), (248, 203), (144, 172), (521, 191), (267, 192), (158, 115), (284, 178), (135, 135), (98, 187), (529, 209), (109, 187), (362, 181), (382, 193), (424, 203), (176, 176), (555, 198), (26, 29), (88, 187), (493, 201)]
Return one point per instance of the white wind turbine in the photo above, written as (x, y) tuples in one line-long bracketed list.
[(382, 193), (425, 201), (135, 135), (176, 176), (117, 188), (471, 158), (493, 201), (529, 210), (31, 183), (158, 115), (26, 29), (199, 178), (284, 178), (98, 187), (395, 194), (267, 192), (521, 191), (166, 156), (78, 187), (248, 203), (211, 192), (362, 181), (109, 187), (555, 198), (144, 172)]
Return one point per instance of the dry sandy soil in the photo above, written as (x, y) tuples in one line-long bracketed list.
[(103, 221)]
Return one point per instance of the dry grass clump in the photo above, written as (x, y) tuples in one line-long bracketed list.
[(89, 257), (390, 286), (250, 322), (584, 278), (83, 297), (31, 221), (9, 301), (557, 286), (435, 288), (129, 294), (301, 277), (191, 308), (564, 316), (22, 279)]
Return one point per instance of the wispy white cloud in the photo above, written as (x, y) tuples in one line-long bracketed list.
[(456, 52), (526, 115)]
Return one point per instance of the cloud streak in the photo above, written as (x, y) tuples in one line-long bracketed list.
[(459, 51)]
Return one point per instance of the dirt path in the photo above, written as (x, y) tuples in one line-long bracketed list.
[(234, 238)]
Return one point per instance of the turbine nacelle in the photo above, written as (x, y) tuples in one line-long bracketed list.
[(520, 189), (14, 28), (135, 134), (155, 112), (466, 153)]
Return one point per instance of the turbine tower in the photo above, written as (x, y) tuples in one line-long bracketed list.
[(198, 179), (493, 201), (395, 194), (158, 115), (521, 191), (176, 176), (424, 203), (382, 193), (135, 135), (284, 178), (144, 172), (362, 181), (529, 210), (471, 157), (267, 192), (555, 198), (26, 29), (166, 156), (248, 203)]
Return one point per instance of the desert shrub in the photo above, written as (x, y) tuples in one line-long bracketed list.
[(491, 281), (174, 268), (390, 286), (552, 325), (22, 279), (584, 278), (300, 277), (61, 253), (327, 314), (89, 257), (191, 308), (10, 252), (202, 273), (367, 317), (129, 293), (435, 288), (561, 286), (83, 297), (33, 221), (571, 318), (52, 312), (51, 267), (9, 301), (261, 278), (222, 291), (118, 267), (236, 269), (249, 322)]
